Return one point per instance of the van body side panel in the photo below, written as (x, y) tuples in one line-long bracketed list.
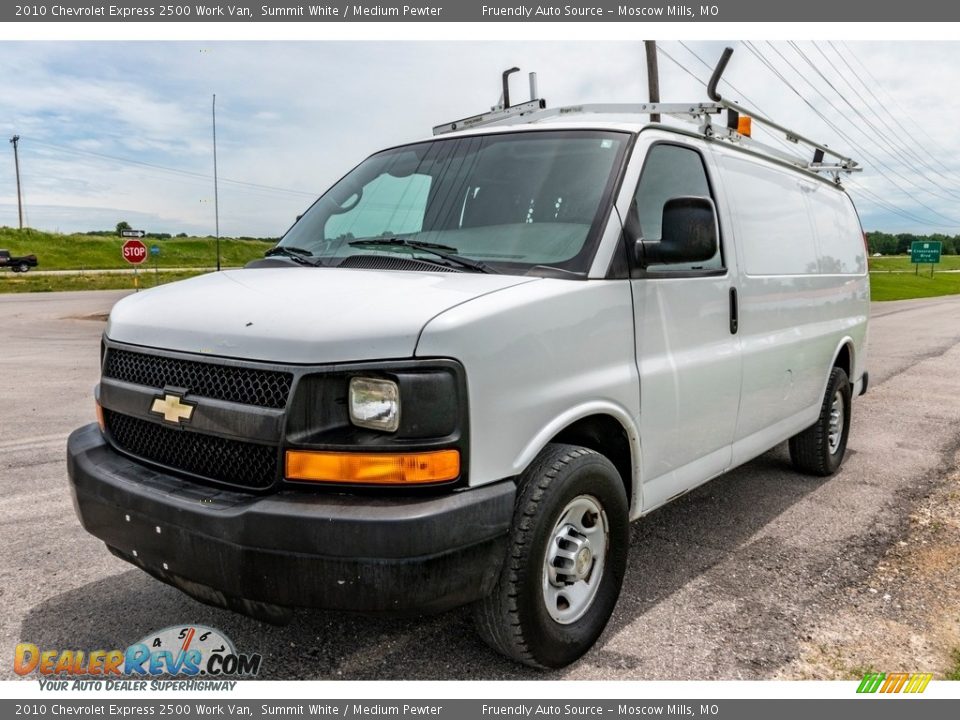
[(842, 251), (536, 360), (839, 236), (803, 289)]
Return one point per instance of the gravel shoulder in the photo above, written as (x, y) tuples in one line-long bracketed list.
[(905, 616)]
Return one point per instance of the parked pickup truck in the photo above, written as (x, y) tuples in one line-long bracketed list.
[(17, 264)]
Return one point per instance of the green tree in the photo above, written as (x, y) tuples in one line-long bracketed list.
[(881, 242), (904, 241), (122, 225)]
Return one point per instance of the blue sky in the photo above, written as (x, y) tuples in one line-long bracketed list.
[(116, 131)]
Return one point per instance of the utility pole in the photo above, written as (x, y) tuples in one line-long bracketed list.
[(216, 198), (653, 75), (16, 163)]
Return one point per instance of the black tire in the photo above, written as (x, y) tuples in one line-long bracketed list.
[(24, 267), (812, 450), (515, 619)]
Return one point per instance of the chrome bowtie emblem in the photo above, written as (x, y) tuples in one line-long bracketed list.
[(173, 409)]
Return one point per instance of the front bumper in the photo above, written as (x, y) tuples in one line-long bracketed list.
[(293, 548)]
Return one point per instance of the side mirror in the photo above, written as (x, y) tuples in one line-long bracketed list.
[(689, 234)]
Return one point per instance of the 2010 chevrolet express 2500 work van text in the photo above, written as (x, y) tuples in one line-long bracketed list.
[(471, 363)]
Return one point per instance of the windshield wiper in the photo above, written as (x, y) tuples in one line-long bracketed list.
[(446, 252), (298, 255)]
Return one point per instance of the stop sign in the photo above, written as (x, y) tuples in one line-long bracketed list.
[(134, 252)]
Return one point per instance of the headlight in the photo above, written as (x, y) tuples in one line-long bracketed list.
[(374, 404)]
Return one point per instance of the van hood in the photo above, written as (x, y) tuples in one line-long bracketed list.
[(297, 315)]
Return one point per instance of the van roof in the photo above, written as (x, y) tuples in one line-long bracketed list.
[(717, 120), (623, 122)]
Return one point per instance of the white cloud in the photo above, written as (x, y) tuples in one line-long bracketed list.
[(298, 115)]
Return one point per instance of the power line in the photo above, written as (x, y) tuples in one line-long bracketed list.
[(893, 146), (176, 171), (860, 148), (893, 100), (875, 199), (739, 92), (694, 76), (679, 64), (894, 116), (722, 79), (881, 116), (869, 138), (770, 66)]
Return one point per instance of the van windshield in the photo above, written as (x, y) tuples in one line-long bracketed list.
[(512, 201)]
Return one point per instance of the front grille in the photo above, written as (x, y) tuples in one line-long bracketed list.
[(228, 461), (250, 386)]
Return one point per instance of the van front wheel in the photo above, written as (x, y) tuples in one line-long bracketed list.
[(565, 563), (819, 449)]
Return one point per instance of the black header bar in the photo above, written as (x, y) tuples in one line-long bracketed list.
[(480, 11)]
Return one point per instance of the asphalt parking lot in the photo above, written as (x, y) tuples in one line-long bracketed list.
[(725, 583)]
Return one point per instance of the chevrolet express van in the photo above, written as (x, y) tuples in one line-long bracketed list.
[(471, 363)]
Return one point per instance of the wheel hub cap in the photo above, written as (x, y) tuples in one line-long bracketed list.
[(835, 426), (584, 561), (574, 560)]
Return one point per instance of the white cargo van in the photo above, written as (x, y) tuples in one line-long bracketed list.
[(473, 361)]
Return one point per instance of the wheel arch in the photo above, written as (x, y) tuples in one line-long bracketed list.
[(603, 427), (844, 357)]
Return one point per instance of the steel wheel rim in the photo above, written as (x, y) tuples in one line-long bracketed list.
[(575, 558), (835, 426)]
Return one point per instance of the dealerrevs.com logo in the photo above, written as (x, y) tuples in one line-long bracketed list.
[(204, 656)]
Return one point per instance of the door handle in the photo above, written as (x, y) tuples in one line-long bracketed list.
[(734, 312)]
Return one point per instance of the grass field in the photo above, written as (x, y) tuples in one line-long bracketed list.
[(955, 673), (901, 263), (76, 252), (891, 277), (903, 286), (32, 282)]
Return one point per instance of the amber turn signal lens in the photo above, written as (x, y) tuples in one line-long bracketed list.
[(373, 468), (100, 422), (744, 126)]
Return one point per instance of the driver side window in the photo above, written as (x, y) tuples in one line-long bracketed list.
[(670, 171)]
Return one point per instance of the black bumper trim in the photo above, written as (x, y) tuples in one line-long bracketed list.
[(293, 548)]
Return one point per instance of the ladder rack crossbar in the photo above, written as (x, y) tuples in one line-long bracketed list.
[(790, 135), (535, 111)]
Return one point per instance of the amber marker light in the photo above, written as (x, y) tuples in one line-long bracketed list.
[(744, 126), (100, 422), (373, 468)]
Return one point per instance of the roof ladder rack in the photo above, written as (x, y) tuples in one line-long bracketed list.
[(500, 112), (823, 159)]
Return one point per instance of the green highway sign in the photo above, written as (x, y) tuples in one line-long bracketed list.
[(925, 251)]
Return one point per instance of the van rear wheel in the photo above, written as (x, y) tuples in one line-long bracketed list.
[(565, 564), (819, 449)]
